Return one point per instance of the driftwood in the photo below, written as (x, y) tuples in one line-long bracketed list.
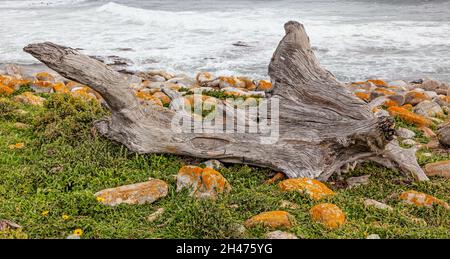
[(321, 125)]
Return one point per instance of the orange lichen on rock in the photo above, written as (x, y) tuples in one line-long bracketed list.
[(390, 103), (362, 96), (148, 97), (378, 82), (271, 219), (414, 97), (5, 90), (249, 83), (29, 98), (330, 215), (313, 188), (60, 87), (408, 106), (163, 97), (17, 146), (44, 76), (138, 193), (264, 85), (384, 91), (230, 81), (409, 116), (278, 176), (203, 183), (204, 77), (421, 199), (84, 92)]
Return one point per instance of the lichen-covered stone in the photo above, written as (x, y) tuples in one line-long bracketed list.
[(278, 234), (378, 82), (264, 85), (138, 193), (42, 86), (409, 116), (60, 87), (271, 219), (147, 98), (202, 182), (428, 109), (163, 97), (311, 187), (415, 97), (29, 98), (443, 133), (44, 76), (421, 199), (363, 96), (329, 215), (441, 168)]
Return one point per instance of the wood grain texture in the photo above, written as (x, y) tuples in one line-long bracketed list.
[(322, 126)]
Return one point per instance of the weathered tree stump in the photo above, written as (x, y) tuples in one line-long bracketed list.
[(321, 125)]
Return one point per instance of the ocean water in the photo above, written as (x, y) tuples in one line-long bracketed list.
[(356, 40)]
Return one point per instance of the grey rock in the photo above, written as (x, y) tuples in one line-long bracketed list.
[(405, 133), (428, 109), (443, 134)]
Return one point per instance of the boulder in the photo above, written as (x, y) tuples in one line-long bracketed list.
[(202, 182), (414, 97), (329, 215), (138, 193)]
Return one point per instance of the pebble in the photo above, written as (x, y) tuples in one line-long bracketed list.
[(377, 204), (271, 219), (278, 234)]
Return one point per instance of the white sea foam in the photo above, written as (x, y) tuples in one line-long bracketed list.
[(351, 39)]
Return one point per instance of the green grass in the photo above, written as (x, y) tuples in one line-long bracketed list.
[(63, 164)]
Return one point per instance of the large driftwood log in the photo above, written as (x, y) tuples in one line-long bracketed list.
[(321, 125)]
